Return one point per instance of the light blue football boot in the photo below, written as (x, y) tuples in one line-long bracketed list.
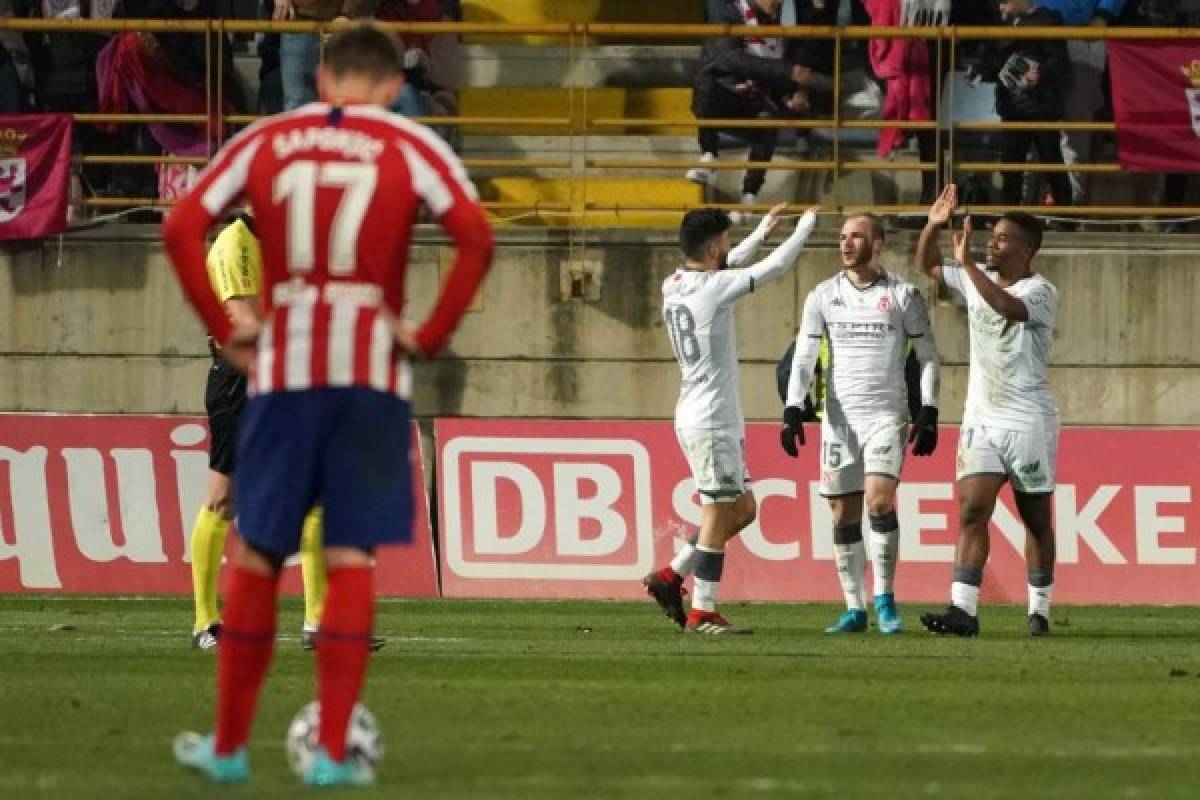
[(324, 771), (886, 614), (850, 621), (196, 751)]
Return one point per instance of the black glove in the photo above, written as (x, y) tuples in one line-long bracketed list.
[(924, 433), (792, 431)]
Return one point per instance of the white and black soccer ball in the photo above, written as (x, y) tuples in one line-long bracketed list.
[(364, 742)]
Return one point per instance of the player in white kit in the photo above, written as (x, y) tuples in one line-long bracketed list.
[(1010, 424), (870, 318), (698, 300)]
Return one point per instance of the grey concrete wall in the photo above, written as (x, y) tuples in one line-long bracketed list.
[(102, 327)]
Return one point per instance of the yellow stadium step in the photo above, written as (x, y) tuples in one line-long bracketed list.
[(542, 12), (660, 103), (538, 103), (592, 203), (574, 106)]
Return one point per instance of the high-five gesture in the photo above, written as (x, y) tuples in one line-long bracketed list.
[(962, 242), (771, 221), (929, 257), (942, 210)]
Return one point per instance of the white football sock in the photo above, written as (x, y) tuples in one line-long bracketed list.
[(884, 545), (685, 560), (704, 595), (851, 560), (711, 563), (1039, 599), (966, 597)]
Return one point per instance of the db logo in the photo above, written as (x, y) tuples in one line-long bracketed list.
[(552, 508)]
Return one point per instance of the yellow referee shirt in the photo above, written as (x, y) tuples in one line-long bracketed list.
[(235, 262)]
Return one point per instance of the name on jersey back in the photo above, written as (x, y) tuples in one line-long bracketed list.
[(350, 144)]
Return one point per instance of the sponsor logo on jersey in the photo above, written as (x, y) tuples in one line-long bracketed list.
[(1030, 469)]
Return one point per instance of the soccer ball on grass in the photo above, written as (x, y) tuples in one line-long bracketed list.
[(364, 743)]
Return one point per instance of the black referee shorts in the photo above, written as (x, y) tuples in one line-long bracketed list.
[(224, 398)]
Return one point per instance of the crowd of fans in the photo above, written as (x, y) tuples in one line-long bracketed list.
[(749, 77), (165, 73), (736, 77)]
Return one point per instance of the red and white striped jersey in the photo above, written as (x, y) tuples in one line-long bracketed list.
[(335, 193)]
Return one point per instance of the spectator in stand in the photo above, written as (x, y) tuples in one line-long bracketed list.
[(270, 78), (186, 50), (64, 75), (432, 62), (1032, 78), (299, 53), (761, 77), (1088, 65), (16, 73)]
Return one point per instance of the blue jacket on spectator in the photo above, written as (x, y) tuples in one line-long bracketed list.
[(1081, 12)]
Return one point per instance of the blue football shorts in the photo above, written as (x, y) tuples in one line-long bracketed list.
[(345, 449)]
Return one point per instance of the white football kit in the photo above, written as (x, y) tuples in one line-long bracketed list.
[(1010, 424), (698, 313), (866, 402)]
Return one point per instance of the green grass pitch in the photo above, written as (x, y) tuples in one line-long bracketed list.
[(605, 700)]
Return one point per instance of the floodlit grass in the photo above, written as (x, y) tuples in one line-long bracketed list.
[(605, 700)]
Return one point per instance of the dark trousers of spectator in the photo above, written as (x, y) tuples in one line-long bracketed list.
[(1014, 149), (12, 94), (270, 78), (761, 140)]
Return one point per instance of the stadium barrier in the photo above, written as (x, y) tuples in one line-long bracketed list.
[(581, 167), (105, 505), (557, 509)]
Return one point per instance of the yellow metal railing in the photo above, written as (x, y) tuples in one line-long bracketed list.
[(579, 165)]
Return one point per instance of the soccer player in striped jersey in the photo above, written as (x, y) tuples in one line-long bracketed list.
[(235, 273), (698, 305), (870, 317), (335, 187), (1010, 423)]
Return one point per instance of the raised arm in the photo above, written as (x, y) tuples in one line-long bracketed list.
[(783, 257), (1003, 303), (929, 255), (741, 255), (733, 284)]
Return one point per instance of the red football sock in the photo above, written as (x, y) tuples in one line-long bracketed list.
[(244, 652), (669, 575), (343, 644)]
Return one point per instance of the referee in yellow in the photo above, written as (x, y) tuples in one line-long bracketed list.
[(235, 272)]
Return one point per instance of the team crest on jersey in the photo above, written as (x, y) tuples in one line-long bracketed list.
[(826, 478), (885, 303), (12, 188)]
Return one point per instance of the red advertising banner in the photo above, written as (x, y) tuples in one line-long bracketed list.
[(35, 174), (585, 509), (105, 505), (1156, 103)]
